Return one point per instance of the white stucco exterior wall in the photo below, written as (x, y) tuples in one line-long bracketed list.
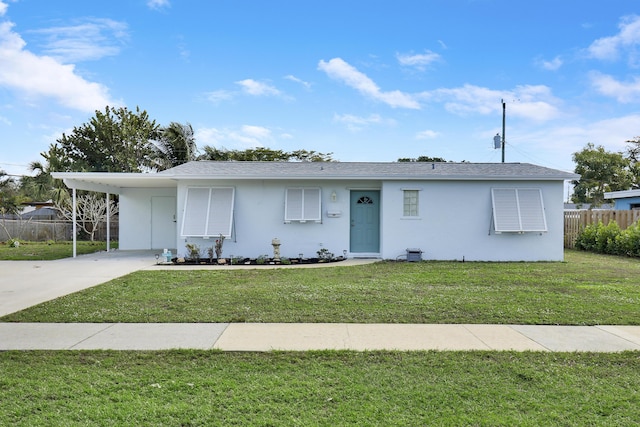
[(135, 216), (259, 218), (455, 218)]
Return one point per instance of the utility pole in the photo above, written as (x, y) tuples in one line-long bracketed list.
[(504, 114)]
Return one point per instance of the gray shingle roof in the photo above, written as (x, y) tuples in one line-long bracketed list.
[(365, 170)]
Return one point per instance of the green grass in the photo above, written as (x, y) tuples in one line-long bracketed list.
[(338, 388), (200, 388), (43, 251), (587, 289)]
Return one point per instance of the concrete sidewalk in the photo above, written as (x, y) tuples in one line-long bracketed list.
[(302, 337)]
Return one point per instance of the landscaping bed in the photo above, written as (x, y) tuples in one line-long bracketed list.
[(252, 261)]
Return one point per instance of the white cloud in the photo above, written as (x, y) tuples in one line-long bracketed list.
[(307, 85), (256, 132), (559, 143), (340, 70), (357, 123), (90, 40), (208, 136), (3, 8), (158, 4), (218, 96), (609, 48), (624, 92), (551, 65), (529, 102), (248, 87), (419, 61), (427, 134), (256, 88), (247, 136), (42, 76)]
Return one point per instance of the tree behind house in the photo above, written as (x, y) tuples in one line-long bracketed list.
[(600, 171), (116, 140)]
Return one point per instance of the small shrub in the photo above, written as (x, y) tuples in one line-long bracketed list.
[(324, 255), (610, 239), (628, 241), (586, 240), (606, 237), (219, 243), (193, 250)]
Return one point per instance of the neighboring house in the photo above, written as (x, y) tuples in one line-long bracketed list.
[(35, 211), (41, 214), (624, 200), (449, 211)]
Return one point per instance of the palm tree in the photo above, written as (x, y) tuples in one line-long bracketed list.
[(42, 186), (177, 145)]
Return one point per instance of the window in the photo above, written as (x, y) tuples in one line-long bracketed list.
[(208, 212), (302, 204), (410, 203), (518, 210)]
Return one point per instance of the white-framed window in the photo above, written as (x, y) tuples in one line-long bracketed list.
[(302, 204), (518, 210), (208, 212), (410, 203)]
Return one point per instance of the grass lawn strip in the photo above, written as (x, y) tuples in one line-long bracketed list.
[(587, 289), (318, 388), (43, 251)]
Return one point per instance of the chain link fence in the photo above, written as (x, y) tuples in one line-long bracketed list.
[(43, 231)]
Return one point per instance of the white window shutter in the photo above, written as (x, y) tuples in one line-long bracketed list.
[(293, 202), (208, 212), (312, 204), (505, 209), (302, 204), (196, 208), (531, 209), (518, 210), (220, 212)]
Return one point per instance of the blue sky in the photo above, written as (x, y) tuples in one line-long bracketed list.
[(366, 80)]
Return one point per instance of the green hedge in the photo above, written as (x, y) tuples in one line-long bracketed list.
[(610, 239)]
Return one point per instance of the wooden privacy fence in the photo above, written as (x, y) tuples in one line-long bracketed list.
[(575, 221)]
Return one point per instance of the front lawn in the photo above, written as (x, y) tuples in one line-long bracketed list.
[(45, 251), (587, 289), (208, 388)]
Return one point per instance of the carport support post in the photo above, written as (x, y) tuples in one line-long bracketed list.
[(73, 216), (108, 224)]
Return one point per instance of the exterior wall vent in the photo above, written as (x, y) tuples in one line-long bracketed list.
[(414, 255)]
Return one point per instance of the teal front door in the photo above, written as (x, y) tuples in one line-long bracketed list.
[(365, 221)]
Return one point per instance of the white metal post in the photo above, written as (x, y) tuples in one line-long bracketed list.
[(108, 223), (73, 216)]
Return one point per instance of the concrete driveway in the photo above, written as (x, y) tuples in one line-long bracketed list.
[(27, 283)]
